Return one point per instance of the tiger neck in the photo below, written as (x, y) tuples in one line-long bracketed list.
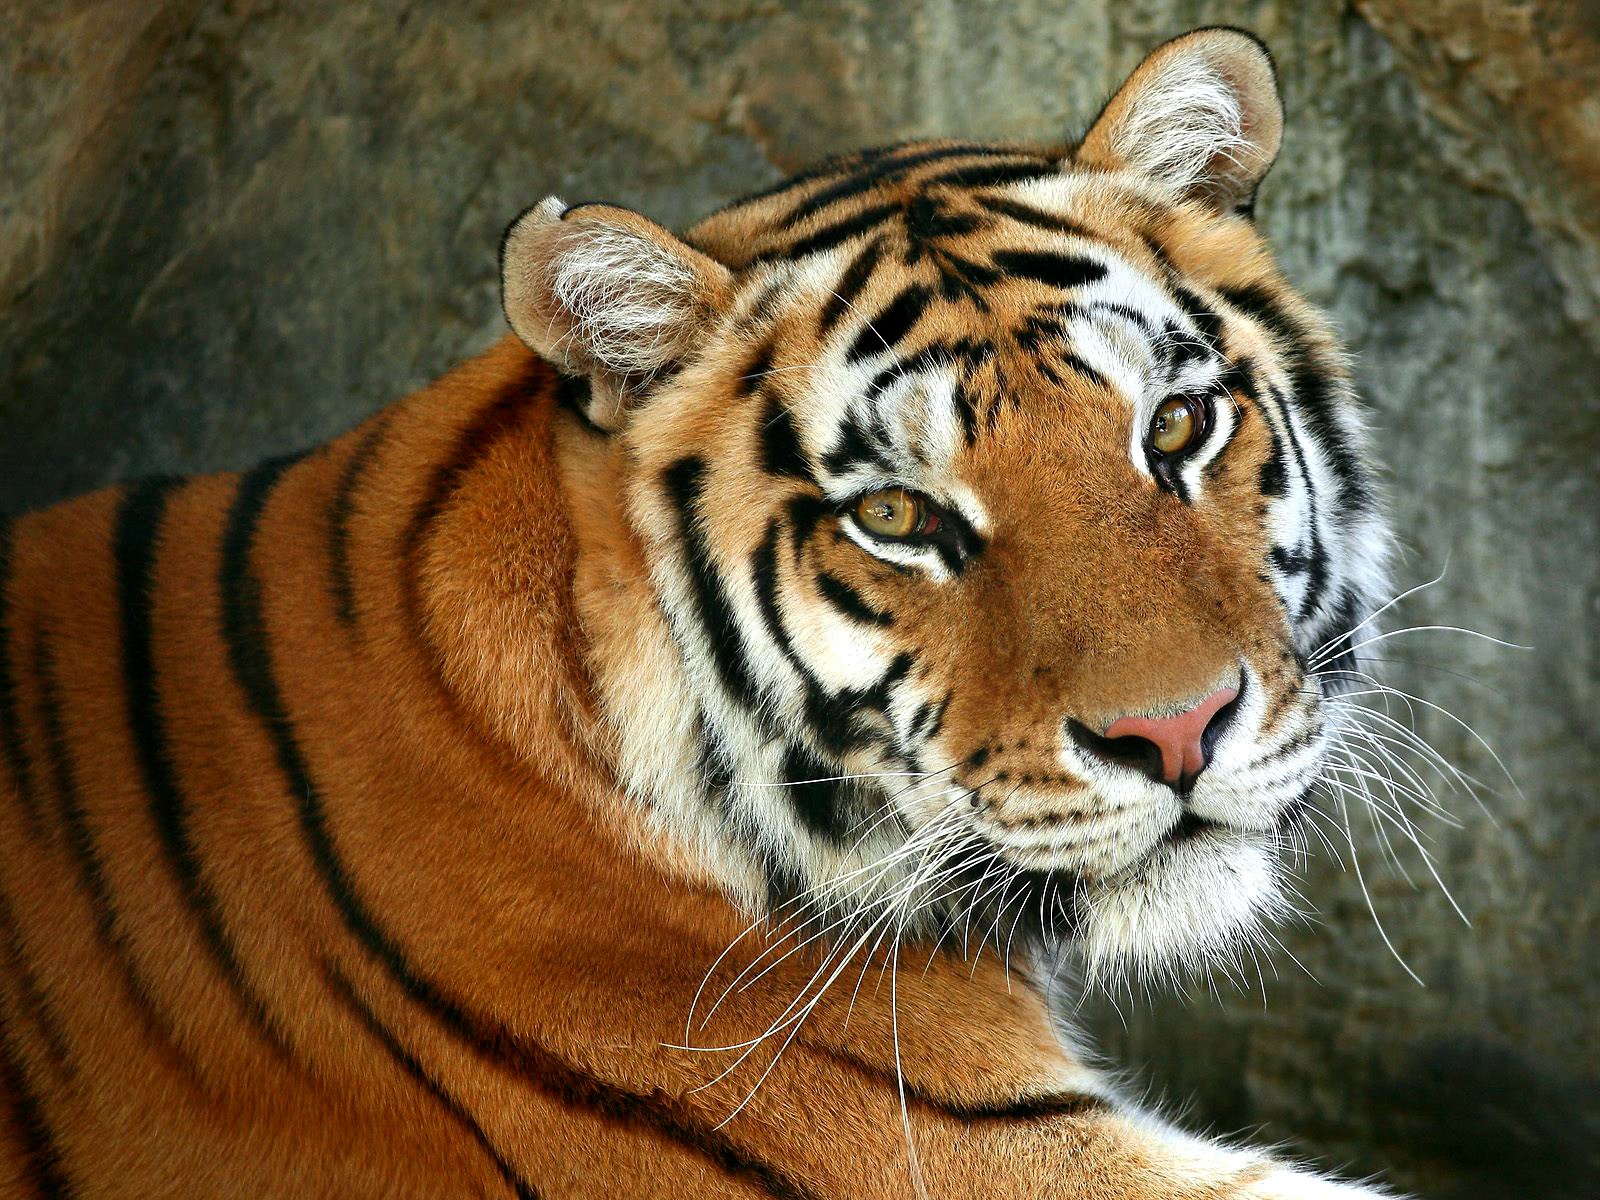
[(535, 599), (498, 539), (524, 587), (724, 796)]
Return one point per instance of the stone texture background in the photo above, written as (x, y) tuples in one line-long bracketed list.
[(229, 229)]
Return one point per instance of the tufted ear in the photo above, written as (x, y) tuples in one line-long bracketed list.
[(1201, 115), (603, 292)]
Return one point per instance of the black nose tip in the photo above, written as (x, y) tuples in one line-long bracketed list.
[(1164, 749)]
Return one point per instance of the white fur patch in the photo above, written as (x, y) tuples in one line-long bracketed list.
[(1189, 119), (1192, 905), (630, 301)]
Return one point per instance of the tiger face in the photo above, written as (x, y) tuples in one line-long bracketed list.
[(989, 510)]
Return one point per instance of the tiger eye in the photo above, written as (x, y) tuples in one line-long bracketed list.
[(891, 512), (1174, 426)]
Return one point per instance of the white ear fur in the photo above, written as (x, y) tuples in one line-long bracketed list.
[(1200, 115), (602, 291)]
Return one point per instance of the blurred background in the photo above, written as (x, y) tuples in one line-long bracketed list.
[(231, 229)]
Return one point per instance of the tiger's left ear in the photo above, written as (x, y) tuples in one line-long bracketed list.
[(1201, 115), (601, 291)]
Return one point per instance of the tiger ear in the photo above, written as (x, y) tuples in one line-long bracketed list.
[(1201, 115), (603, 292)]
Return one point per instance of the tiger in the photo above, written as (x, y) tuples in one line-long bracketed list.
[(691, 748)]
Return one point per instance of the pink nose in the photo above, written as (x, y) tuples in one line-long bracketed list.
[(1180, 738)]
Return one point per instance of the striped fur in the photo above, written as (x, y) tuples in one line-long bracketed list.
[(391, 819)]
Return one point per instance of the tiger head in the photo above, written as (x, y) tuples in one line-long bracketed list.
[(970, 530)]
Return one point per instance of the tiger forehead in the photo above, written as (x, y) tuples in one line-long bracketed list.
[(918, 195)]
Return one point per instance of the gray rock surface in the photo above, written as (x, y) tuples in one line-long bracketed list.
[(228, 230)]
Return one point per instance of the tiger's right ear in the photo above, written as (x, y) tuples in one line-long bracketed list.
[(603, 292)]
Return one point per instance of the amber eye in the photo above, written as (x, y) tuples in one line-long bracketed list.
[(894, 513), (1176, 425)]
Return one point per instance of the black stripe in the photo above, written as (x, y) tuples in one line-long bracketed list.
[(489, 425), (31, 998), (108, 924), (1032, 1108), (1240, 378), (1312, 378), (249, 655), (573, 394), (683, 482), (890, 326), (13, 747), (1206, 319), (966, 404), (340, 511), (848, 601), (1039, 218), (884, 170), (1020, 1108), (928, 223), (830, 236), (245, 634), (836, 718), (764, 575), (961, 277), (833, 165), (814, 795), (1273, 480), (856, 446), (964, 353), (991, 175), (1070, 359), (755, 372), (137, 533), (44, 1168), (658, 1112), (832, 717), (1049, 267), (805, 513), (1159, 251), (408, 1063), (781, 451), (850, 284), (1313, 562)]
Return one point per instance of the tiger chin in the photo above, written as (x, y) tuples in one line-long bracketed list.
[(548, 788)]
